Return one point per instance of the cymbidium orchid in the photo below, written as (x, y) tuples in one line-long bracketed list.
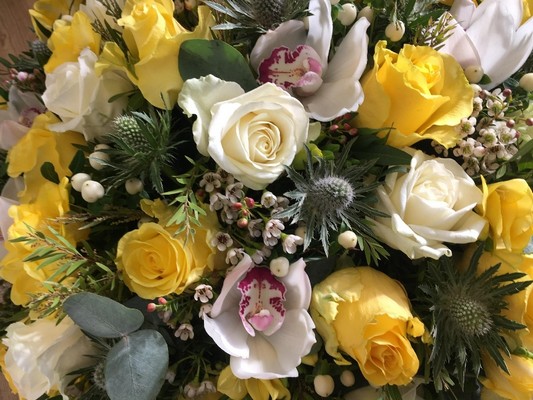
[(297, 60), (491, 36), (262, 320)]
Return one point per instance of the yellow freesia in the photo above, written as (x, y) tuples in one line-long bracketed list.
[(258, 389), (45, 12), (69, 39)]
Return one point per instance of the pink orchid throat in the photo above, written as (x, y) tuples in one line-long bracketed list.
[(299, 70), (261, 306)]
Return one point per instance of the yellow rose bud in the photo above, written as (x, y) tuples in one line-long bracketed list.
[(366, 315), (69, 39), (418, 93), (155, 262), (508, 207)]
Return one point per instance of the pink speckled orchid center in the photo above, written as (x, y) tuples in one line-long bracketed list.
[(261, 307), (299, 71)]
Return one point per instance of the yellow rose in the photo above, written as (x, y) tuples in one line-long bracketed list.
[(38, 146), (418, 94), (155, 262), (508, 207), (51, 201), (45, 12), (365, 314), (258, 389), (153, 38), (517, 385), (69, 39)]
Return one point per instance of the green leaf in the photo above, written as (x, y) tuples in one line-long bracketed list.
[(136, 366), (77, 163), (102, 317), (198, 57), (48, 172)]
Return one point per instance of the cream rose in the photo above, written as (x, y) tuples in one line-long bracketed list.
[(41, 355), (250, 135), (431, 204), (80, 97)]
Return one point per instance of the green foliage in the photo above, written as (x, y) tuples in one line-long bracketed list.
[(136, 365), (198, 57)]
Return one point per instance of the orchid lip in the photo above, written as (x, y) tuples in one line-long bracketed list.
[(261, 307), (287, 68)]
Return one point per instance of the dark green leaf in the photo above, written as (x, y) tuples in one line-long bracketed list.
[(48, 172), (102, 317), (136, 366), (198, 57), (77, 163)]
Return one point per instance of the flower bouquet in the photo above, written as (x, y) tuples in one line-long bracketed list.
[(254, 199)]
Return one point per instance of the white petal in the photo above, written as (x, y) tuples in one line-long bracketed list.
[(194, 101), (320, 28), (289, 34), (298, 295), (460, 46), (228, 332), (463, 11)]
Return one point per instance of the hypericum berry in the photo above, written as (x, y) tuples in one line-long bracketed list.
[(347, 378), (134, 186), (395, 31), (77, 180), (474, 73), (92, 191), (526, 82), (366, 12), (279, 267), (347, 239), (98, 159), (347, 14), (324, 385)]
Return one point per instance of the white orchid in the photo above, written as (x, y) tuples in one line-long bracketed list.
[(297, 60), (491, 36), (261, 320)]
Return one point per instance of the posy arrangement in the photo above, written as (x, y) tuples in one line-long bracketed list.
[(255, 199)]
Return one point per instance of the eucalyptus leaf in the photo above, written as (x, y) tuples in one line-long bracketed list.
[(136, 366), (102, 317), (199, 57)]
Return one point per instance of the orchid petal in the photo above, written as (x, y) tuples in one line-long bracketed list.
[(228, 333), (320, 28), (193, 100), (298, 295), (460, 46), (341, 91), (290, 34), (463, 11)]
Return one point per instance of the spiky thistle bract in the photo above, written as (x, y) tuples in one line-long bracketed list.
[(466, 316), (331, 195)]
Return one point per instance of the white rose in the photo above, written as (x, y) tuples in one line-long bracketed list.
[(250, 135), (80, 96), (429, 205), (41, 355)]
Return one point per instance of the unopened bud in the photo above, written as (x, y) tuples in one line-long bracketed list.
[(151, 307)]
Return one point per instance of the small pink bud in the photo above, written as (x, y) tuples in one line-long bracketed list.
[(162, 301), (347, 126), (510, 123), (242, 223), (529, 122), (507, 92), (353, 132), (250, 203), (334, 127), (237, 205), (151, 307)]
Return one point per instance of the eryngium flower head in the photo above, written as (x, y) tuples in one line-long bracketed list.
[(333, 194), (466, 316)]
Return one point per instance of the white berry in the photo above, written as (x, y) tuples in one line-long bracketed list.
[(347, 378), (78, 179), (347, 14), (279, 267), (101, 146), (98, 159), (324, 385), (474, 73), (395, 31), (347, 239), (526, 82), (92, 191), (134, 186), (366, 12)]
